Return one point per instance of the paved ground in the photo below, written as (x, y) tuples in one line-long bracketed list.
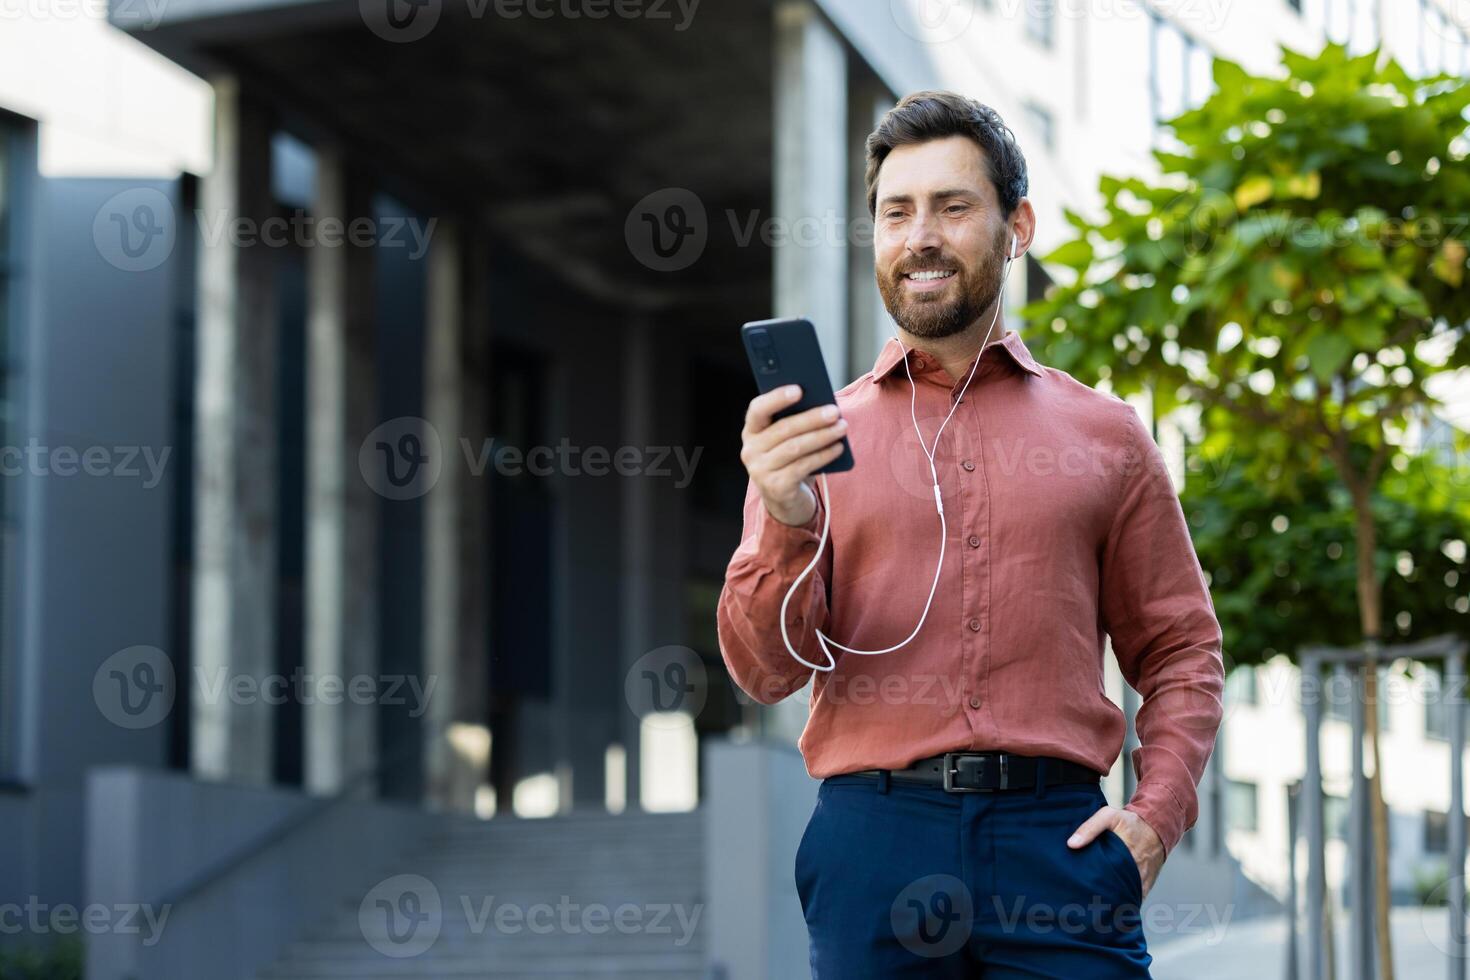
[(1256, 950)]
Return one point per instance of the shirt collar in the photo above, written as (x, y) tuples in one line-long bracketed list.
[(891, 356)]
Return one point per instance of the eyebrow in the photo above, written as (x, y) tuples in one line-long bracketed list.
[(936, 196)]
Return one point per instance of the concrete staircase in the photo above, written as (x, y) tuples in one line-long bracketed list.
[(585, 895)]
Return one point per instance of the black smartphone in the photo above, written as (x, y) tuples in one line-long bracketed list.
[(784, 352)]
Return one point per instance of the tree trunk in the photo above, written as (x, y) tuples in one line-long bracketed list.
[(1370, 607)]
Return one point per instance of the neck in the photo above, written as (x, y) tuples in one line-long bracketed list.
[(957, 352)]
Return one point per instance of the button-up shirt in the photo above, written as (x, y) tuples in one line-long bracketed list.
[(1064, 530)]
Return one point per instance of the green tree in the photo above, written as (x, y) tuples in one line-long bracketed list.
[(1298, 271), (1282, 569)]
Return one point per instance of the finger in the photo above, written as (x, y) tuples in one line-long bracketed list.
[(793, 426), (762, 407), (797, 447), (798, 470), (1091, 827)]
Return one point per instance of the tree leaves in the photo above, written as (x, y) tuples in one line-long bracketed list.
[(1317, 216)]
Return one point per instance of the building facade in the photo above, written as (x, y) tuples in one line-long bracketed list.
[(371, 375)]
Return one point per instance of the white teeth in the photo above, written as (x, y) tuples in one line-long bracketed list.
[(930, 276)]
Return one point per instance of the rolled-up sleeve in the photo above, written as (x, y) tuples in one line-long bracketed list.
[(1157, 609), (770, 557)]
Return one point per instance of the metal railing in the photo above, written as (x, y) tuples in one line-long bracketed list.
[(1451, 649)]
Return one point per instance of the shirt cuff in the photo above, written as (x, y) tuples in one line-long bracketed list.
[(1160, 810), (785, 547)]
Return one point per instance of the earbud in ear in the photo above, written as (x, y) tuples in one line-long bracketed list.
[(1013, 245)]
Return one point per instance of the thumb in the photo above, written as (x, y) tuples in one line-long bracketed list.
[(1091, 827)]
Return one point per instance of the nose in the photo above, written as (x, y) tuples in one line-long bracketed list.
[(923, 234)]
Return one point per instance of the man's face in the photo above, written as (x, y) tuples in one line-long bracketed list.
[(940, 238)]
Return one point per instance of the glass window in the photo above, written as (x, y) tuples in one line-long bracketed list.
[(1437, 703), (1040, 122), (1338, 693), (1240, 805), (1169, 59), (1201, 75), (1040, 22), (1180, 70), (1335, 815), (1436, 832)]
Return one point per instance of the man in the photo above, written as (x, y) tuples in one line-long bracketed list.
[(960, 824)]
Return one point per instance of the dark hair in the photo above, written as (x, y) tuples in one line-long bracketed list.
[(925, 116)]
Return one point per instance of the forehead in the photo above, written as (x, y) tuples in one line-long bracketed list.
[(917, 169)]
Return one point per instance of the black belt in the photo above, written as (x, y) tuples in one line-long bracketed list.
[(987, 772)]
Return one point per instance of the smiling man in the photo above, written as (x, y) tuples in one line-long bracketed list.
[(960, 825)]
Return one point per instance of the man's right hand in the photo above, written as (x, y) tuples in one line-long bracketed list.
[(781, 456)]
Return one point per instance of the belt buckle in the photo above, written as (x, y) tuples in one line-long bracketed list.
[(950, 770)]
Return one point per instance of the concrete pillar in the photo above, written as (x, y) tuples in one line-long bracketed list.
[(588, 679), (443, 334), (640, 526), (234, 616), (871, 324), (455, 634), (811, 179), (341, 509), (811, 275), (472, 683)]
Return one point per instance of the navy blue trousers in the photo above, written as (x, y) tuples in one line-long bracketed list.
[(905, 880)]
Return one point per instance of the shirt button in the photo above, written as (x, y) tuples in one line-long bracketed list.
[(974, 702), (974, 541), (975, 625), (969, 465)]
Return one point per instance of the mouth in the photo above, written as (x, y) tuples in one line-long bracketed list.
[(926, 280)]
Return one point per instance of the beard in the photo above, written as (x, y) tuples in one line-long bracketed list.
[(948, 311)]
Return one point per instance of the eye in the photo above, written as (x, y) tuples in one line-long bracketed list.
[(955, 209)]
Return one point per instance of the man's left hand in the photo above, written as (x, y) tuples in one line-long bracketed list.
[(1143, 842)]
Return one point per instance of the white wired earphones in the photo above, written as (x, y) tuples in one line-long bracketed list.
[(825, 641)]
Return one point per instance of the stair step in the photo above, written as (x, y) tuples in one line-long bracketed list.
[(580, 859)]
